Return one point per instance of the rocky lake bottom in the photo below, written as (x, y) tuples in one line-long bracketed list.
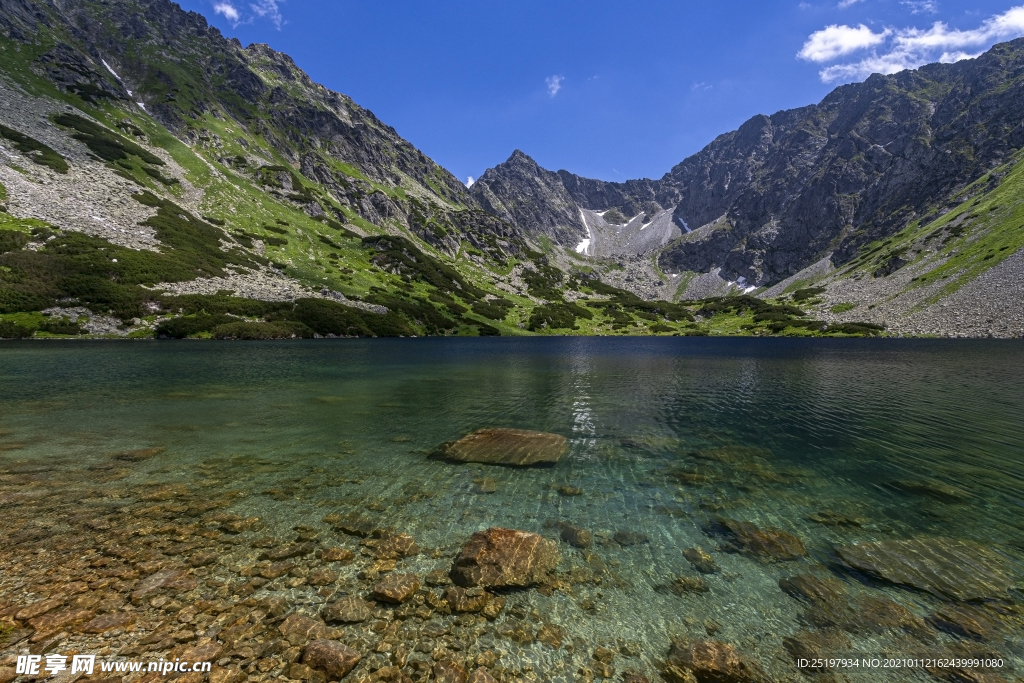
[(722, 509)]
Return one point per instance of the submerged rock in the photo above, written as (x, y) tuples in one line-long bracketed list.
[(733, 454), (348, 610), (481, 675), (396, 588), (626, 538), (710, 661), (830, 606), (832, 518), (689, 584), (931, 488), (814, 589), (965, 621), (959, 569), (816, 645), (768, 543), (447, 671), (701, 560), (333, 658), (505, 557), (575, 536), (518, 447)]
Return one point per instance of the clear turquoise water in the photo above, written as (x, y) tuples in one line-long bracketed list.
[(308, 428)]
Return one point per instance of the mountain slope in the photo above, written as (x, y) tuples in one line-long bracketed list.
[(783, 192), (159, 179)]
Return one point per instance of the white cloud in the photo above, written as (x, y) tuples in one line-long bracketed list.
[(229, 11), (835, 41), (268, 9), (554, 84), (843, 4), (701, 86), (470, 181), (907, 48), (921, 6)]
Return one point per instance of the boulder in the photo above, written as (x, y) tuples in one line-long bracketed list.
[(396, 588), (815, 645), (505, 557), (481, 675), (965, 621), (348, 610), (109, 622), (333, 658), (447, 671), (626, 538), (575, 536), (946, 567), (298, 627), (343, 555), (466, 599), (712, 660), (517, 447), (764, 544), (701, 560)]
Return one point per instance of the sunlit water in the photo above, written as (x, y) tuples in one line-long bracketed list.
[(307, 429)]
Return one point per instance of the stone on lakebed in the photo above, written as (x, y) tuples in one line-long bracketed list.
[(333, 658), (505, 557), (518, 447), (946, 567)]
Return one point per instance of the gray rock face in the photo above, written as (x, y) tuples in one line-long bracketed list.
[(314, 128), (532, 198), (785, 191)]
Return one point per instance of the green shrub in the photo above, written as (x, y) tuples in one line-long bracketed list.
[(103, 142), (180, 328), (12, 330), (861, 329), (398, 254), (843, 307), (213, 304), (35, 150), (557, 316), (496, 309), (253, 331), (807, 293), (61, 326), (328, 317), (12, 240)]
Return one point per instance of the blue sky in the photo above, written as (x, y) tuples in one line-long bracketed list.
[(611, 90)]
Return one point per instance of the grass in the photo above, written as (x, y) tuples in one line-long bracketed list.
[(843, 307)]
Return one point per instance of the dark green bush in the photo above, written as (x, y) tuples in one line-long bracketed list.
[(11, 330), (61, 326), (557, 316), (103, 142), (180, 328), (398, 254), (35, 150), (252, 331), (496, 309), (807, 293), (12, 240), (328, 317)]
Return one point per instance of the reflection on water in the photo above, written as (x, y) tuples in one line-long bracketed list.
[(171, 449)]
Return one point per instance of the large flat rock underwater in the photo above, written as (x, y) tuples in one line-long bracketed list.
[(500, 446), (946, 567)]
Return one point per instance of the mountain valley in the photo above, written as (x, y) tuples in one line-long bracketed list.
[(158, 179)]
